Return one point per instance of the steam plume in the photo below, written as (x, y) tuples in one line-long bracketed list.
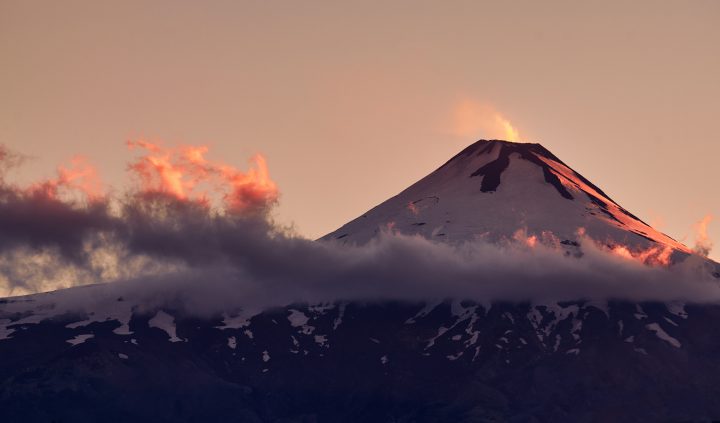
[(703, 244), (474, 119)]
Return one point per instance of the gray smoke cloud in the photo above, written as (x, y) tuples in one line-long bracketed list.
[(165, 249)]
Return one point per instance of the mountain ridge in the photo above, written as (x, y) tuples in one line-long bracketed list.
[(495, 167)]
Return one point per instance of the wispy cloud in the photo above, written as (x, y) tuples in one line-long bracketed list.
[(162, 246)]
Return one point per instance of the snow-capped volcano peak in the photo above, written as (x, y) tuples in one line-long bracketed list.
[(494, 188)]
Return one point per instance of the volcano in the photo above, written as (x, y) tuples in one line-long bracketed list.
[(492, 189), (103, 353)]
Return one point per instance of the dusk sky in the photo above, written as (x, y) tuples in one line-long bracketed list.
[(351, 103)]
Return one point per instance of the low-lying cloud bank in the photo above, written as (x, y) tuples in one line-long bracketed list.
[(164, 247)]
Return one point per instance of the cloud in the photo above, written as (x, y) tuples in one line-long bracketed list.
[(66, 231), (162, 247), (245, 268)]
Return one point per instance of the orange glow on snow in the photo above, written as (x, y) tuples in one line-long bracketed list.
[(654, 256), (623, 220), (651, 256), (474, 119), (184, 173)]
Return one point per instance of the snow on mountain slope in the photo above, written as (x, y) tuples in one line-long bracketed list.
[(494, 188), (489, 191)]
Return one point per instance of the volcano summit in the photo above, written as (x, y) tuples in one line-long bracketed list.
[(492, 189)]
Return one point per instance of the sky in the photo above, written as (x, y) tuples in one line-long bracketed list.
[(351, 102)]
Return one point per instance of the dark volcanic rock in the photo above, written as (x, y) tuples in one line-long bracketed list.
[(389, 362)]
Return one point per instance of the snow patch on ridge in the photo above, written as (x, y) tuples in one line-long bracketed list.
[(660, 333), (678, 309), (341, 313), (298, 319), (239, 319), (165, 322), (5, 331), (79, 339), (427, 308)]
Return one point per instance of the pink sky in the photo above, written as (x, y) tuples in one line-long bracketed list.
[(352, 102)]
